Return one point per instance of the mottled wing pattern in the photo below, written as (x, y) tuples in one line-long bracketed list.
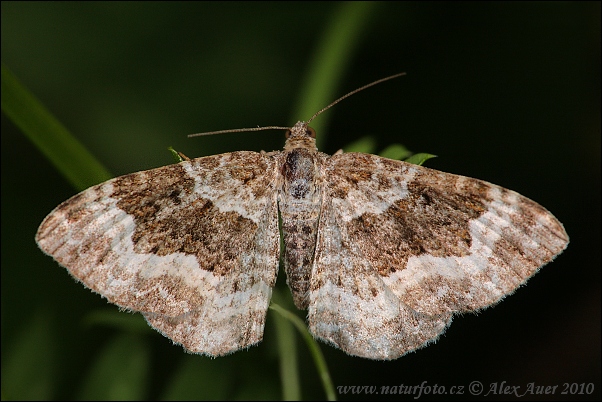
[(351, 307), (416, 245), (193, 246)]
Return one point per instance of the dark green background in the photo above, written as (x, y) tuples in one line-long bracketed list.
[(505, 92)]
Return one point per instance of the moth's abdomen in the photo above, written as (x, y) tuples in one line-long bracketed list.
[(300, 244), (299, 208)]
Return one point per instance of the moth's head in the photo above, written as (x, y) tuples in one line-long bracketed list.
[(300, 136)]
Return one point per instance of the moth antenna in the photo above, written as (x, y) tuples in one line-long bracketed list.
[(242, 130), (238, 130), (353, 93)]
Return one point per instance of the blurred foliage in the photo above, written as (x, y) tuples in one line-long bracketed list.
[(507, 92), (70, 157)]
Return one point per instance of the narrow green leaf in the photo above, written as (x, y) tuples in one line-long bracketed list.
[(176, 155), (331, 58), (69, 156), (314, 348), (395, 151), (366, 145), (419, 159), (326, 68), (287, 353)]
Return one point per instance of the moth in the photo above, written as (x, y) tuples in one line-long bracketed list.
[(382, 253)]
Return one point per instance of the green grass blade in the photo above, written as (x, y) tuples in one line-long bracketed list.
[(325, 73), (365, 144), (287, 353), (69, 156), (419, 159), (330, 60), (395, 151), (314, 348)]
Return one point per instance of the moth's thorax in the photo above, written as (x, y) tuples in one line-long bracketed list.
[(299, 172), (300, 136)]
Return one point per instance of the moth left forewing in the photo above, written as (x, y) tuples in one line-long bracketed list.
[(187, 243), (441, 242)]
